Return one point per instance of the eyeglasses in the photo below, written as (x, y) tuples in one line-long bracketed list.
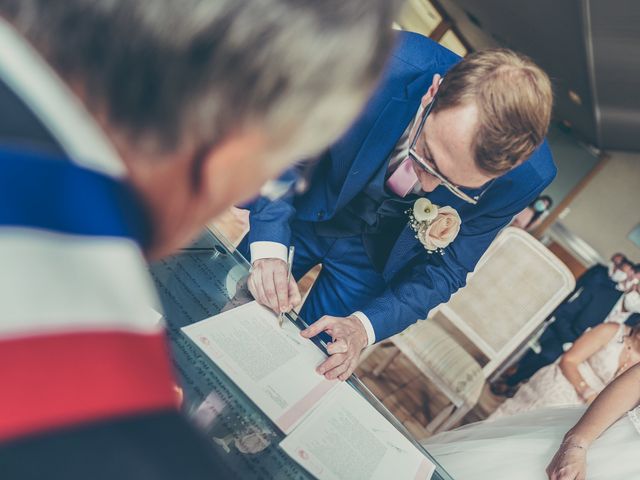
[(433, 169)]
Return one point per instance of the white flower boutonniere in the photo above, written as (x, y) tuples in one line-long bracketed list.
[(435, 227)]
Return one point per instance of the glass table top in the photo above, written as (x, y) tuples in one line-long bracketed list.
[(203, 280)]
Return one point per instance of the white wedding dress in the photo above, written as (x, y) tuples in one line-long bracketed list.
[(520, 447)]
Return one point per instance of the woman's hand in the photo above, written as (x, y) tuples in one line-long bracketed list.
[(569, 463)]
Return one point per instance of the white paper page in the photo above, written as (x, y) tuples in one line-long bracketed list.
[(274, 366), (347, 438)]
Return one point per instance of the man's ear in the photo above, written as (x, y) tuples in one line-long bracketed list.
[(433, 89)]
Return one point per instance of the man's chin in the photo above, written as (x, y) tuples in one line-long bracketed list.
[(428, 188)]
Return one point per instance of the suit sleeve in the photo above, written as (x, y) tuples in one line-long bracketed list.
[(426, 284), (270, 220)]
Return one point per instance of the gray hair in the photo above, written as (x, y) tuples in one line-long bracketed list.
[(176, 73)]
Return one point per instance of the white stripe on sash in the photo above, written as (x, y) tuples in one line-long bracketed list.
[(60, 283)]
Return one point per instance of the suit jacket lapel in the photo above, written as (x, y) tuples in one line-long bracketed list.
[(382, 137), (380, 140)]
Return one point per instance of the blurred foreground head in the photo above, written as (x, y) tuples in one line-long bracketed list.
[(207, 99)]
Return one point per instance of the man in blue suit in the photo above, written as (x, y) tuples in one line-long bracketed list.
[(455, 132)]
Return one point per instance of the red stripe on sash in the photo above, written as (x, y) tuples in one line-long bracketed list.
[(58, 380)]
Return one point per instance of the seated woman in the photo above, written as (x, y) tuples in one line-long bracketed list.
[(594, 360), (600, 445)]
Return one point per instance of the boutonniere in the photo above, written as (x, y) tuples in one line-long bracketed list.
[(435, 227)]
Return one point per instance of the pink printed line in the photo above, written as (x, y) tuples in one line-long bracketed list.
[(288, 419), (425, 470)]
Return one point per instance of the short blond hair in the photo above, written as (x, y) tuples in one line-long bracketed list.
[(514, 100)]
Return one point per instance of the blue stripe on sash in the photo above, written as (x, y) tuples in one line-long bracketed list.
[(40, 191)]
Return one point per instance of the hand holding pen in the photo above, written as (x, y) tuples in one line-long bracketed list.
[(272, 284)]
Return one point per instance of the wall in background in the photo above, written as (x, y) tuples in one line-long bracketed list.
[(608, 208), (574, 161)]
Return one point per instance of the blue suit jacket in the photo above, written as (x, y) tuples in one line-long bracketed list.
[(416, 281), (588, 308), (598, 275)]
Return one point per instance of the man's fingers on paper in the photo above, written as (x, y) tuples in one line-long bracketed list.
[(337, 371), (352, 366), (332, 362), (339, 346), (325, 323), (343, 371), (353, 361)]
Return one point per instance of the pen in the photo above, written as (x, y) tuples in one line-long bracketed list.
[(292, 251)]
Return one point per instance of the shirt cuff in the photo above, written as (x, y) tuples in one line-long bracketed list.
[(260, 250), (366, 323)]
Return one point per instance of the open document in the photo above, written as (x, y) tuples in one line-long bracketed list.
[(274, 366), (331, 430), (345, 437)]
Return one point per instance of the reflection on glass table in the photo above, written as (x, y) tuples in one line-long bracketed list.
[(201, 281)]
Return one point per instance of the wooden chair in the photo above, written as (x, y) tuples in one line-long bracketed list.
[(515, 286)]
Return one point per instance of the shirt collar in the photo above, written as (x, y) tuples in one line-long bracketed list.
[(51, 100)]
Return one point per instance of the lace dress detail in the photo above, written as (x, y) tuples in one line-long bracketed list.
[(634, 416), (550, 388)]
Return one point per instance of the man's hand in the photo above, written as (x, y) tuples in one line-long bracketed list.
[(349, 339), (268, 285)]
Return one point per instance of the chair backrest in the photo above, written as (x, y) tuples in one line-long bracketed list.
[(517, 283), (437, 355)]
